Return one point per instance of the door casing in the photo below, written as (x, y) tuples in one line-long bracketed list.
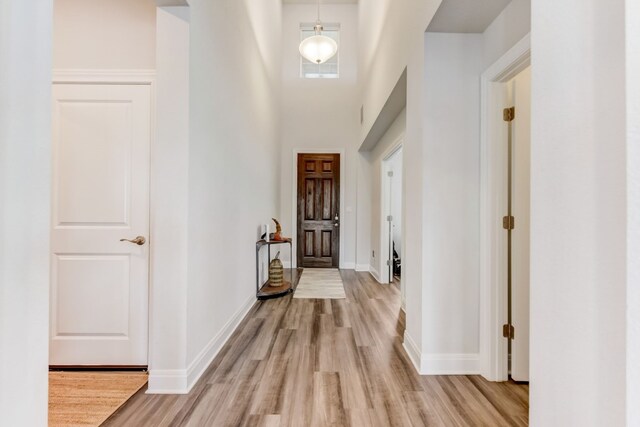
[(294, 199), (321, 223), (493, 301), (123, 77)]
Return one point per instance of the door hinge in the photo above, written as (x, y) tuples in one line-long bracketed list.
[(508, 222), (508, 331), (389, 218), (390, 173), (508, 114), (388, 263)]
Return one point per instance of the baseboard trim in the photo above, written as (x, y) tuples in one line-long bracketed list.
[(375, 273), (348, 266), (441, 364), (181, 381), (451, 364), (211, 350), (167, 381), (362, 267), (412, 351)]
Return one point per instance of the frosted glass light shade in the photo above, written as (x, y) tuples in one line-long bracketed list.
[(318, 49)]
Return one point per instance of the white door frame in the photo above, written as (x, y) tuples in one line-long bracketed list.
[(493, 304), (132, 77), (294, 199), (384, 248)]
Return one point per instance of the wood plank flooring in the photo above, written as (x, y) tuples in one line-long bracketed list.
[(303, 362)]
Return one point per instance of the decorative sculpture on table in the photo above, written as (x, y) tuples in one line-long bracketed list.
[(276, 272), (277, 236)]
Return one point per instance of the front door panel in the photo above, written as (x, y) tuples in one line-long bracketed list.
[(318, 210)]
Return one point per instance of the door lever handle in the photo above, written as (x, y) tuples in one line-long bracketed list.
[(139, 240)]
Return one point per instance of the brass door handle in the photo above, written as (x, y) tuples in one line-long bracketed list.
[(139, 240)]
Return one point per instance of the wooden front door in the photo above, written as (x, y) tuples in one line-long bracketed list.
[(318, 210)]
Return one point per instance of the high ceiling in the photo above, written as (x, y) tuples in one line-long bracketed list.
[(322, 1), (466, 16)]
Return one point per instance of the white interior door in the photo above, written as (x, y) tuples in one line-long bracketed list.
[(521, 232), (99, 284)]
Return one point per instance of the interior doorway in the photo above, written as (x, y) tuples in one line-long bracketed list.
[(318, 210), (100, 223), (391, 243), (517, 117), (505, 208)]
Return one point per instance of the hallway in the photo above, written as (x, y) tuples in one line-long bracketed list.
[(296, 362)]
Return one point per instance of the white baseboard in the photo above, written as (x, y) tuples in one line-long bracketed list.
[(375, 273), (441, 364), (348, 266), (167, 381), (211, 350), (451, 364), (362, 267), (181, 381), (412, 350)]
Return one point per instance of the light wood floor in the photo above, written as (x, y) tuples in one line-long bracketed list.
[(297, 362)]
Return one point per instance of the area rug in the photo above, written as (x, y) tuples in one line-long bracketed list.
[(320, 283), (89, 398)]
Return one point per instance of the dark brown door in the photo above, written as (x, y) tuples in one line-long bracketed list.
[(318, 210)]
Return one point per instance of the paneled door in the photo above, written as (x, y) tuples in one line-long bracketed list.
[(318, 210), (100, 224)]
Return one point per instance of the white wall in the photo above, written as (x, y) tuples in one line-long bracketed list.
[(633, 211), (321, 114), (104, 34), (25, 140), (578, 218), (451, 203), (381, 150), (513, 23), (170, 204), (390, 31), (392, 40), (234, 161)]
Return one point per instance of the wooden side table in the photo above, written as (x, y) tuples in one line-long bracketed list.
[(263, 290)]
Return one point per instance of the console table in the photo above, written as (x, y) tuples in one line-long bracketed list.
[(264, 290)]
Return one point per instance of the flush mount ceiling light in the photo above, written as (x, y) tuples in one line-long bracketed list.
[(318, 48)]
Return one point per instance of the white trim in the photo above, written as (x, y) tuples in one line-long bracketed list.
[(413, 351), (167, 381), (363, 267), (202, 361), (77, 76), (493, 361), (181, 381), (450, 364), (441, 364), (384, 249), (294, 199), (132, 77), (348, 266), (374, 273)]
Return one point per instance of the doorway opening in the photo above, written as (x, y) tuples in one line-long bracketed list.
[(318, 210), (516, 223), (505, 213), (391, 243)]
